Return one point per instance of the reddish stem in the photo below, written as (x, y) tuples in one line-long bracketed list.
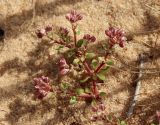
[(95, 90), (74, 34), (88, 69), (99, 67), (102, 64), (61, 43)]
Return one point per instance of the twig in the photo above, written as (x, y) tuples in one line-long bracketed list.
[(144, 32), (33, 13), (130, 112), (135, 72), (4, 111), (144, 43), (149, 105), (134, 67), (157, 11)]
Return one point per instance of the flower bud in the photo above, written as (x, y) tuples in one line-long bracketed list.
[(40, 33), (63, 31), (42, 86), (89, 38), (63, 67), (73, 16), (116, 36)]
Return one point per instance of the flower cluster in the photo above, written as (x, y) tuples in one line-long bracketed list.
[(73, 16), (42, 86), (91, 67), (89, 38), (63, 31), (116, 36), (63, 67), (43, 32)]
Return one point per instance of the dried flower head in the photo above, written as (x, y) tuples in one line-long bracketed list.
[(63, 31), (63, 67), (89, 38), (40, 33), (42, 86), (73, 16), (48, 28), (116, 36)]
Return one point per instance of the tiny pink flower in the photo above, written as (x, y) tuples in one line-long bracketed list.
[(89, 38), (42, 86), (116, 36), (63, 31), (73, 16), (40, 33), (63, 67)]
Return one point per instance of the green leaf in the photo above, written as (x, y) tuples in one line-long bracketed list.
[(50, 34), (109, 62), (94, 63), (90, 55), (101, 76), (84, 80), (101, 59), (76, 61), (60, 47), (82, 58), (123, 123), (93, 103), (102, 94), (105, 46), (109, 117), (65, 85), (80, 43), (78, 32), (79, 91), (104, 70), (73, 100), (87, 90), (67, 39), (71, 52)]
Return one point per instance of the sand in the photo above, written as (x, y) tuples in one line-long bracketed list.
[(23, 56)]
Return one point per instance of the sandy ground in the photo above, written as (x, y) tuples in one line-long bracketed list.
[(23, 56)]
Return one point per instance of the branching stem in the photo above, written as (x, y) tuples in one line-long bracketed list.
[(99, 67)]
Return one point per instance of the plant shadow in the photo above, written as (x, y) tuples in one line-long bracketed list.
[(13, 24)]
